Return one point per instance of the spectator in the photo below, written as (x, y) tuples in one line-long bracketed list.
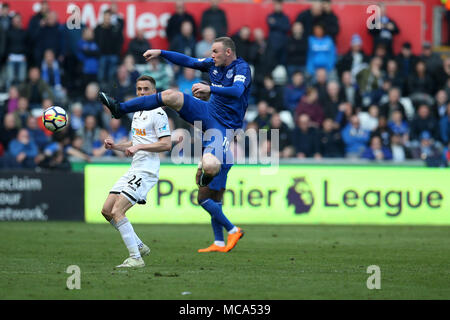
[(272, 94), (184, 42), (35, 89), (354, 60), (51, 74), (109, 39), (392, 74), (88, 53), (138, 46), (37, 135), (23, 151), (399, 152), (420, 85), (284, 136), (262, 120), (330, 140), (203, 47), (75, 149), (49, 36), (424, 121), (310, 106), (399, 125), (116, 16), (216, 18), (310, 17), (76, 116), (406, 62), (8, 131), (37, 21), (440, 104), (329, 20), (16, 49), (383, 131), (98, 146), (117, 132), (187, 80), (260, 57), (175, 21), (122, 85), (443, 74), (294, 91), (306, 139), (321, 82), (130, 65), (385, 32), (444, 126), (370, 80), (369, 119), (5, 23), (332, 100), (22, 113), (13, 99), (296, 49), (427, 151), (279, 26), (161, 72), (91, 106), (376, 151), (393, 104), (89, 133), (381, 52), (432, 59), (349, 91), (355, 138), (321, 51), (244, 46)]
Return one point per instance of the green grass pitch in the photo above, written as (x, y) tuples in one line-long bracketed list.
[(270, 262)]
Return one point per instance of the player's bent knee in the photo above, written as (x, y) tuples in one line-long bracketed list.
[(210, 164), (107, 214), (173, 99)]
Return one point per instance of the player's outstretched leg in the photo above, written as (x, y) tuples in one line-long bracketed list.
[(170, 98), (107, 214)]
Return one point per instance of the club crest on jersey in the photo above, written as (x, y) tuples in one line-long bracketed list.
[(139, 132), (230, 74)]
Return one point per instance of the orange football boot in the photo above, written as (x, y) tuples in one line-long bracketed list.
[(233, 239), (213, 248)]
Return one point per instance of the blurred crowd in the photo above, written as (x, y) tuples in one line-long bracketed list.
[(371, 105)]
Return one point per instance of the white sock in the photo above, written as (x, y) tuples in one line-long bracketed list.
[(126, 231), (219, 243), (234, 230), (138, 241)]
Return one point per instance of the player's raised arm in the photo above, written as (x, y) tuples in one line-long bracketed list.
[(179, 59)]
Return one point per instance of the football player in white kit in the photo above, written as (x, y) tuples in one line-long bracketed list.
[(151, 135)]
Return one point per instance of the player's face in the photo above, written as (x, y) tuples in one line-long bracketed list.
[(144, 88), (218, 53)]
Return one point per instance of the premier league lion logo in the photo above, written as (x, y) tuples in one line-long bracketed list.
[(301, 196)]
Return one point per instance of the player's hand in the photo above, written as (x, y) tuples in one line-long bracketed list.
[(129, 152), (152, 53), (199, 89), (109, 144)]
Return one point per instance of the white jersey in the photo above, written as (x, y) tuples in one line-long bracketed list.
[(147, 127)]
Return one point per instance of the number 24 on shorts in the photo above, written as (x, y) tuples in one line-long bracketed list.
[(137, 182)]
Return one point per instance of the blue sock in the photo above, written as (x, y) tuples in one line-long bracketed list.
[(217, 229), (215, 210), (142, 103)]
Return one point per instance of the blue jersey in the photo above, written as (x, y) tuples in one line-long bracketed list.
[(230, 86), (229, 110)]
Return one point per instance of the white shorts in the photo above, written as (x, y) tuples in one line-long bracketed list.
[(134, 185)]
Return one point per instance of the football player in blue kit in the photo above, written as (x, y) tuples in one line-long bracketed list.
[(230, 79)]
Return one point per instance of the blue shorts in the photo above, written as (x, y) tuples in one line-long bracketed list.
[(198, 110)]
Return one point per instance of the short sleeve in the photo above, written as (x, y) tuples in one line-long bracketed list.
[(161, 124)]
